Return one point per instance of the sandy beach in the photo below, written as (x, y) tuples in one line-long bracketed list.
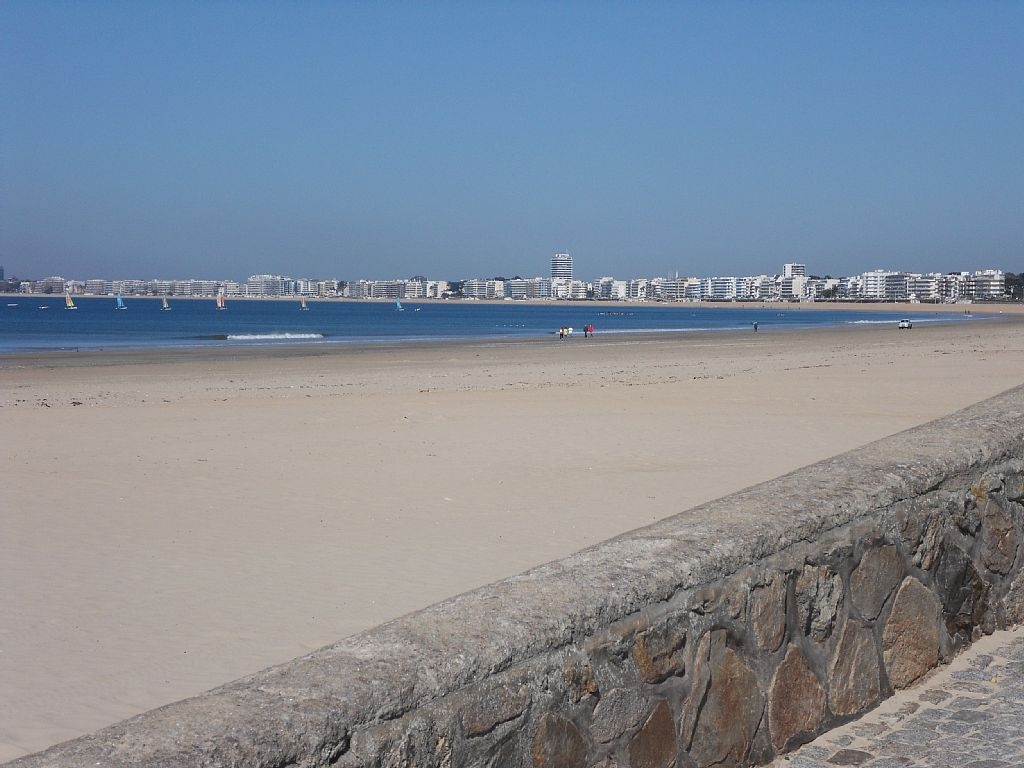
[(172, 520)]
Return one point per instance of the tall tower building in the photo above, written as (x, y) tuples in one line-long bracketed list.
[(561, 266)]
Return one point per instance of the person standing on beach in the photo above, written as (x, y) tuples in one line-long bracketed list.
[(755, 326)]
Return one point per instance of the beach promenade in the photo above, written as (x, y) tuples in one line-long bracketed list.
[(177, 520)]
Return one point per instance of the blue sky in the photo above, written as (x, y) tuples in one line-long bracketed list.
[(473, 139)]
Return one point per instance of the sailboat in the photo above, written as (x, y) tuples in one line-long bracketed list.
[(302, 303), (165, 307), (68, 302), (398, 305), (220, 301), (119, 302)]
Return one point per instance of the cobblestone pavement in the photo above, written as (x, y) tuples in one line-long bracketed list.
[(969, 714)]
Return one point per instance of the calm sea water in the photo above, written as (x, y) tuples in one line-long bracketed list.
[(33, 322)]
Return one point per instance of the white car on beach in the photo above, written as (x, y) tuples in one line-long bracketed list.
[(905, 323)]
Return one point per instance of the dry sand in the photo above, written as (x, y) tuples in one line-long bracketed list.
[(171, 521)]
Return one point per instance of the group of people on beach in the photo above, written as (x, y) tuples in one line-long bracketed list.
[(588, 331)]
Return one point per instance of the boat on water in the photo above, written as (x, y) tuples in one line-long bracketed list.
[(302, 303), (220, 301), (164, 306), (69, 302), (12, 305), (119, 302), (398, 305)]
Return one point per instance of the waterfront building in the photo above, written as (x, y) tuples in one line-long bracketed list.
[(52, 284), (561, 266), (269, 285), (422, 288), (203, 287), (762, 288), (636, 290), (99, 287), (794, 270), (873, 284), (721, 288), (792, 288), (483, 289), (896, 286), (357, 289), (674, 288), (561, 287), (518, 288), (987, 284), (603, 287), (745, 288), (923, 288), (387, 289), (329, 288)]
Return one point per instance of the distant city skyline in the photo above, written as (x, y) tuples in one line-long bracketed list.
[(390, 139)]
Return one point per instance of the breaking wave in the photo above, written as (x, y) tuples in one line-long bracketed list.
[(272, 336), (263, 337)]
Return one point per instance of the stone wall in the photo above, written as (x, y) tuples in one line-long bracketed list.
[(725, 635)]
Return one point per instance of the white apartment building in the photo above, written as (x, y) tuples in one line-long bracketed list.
[(746, 288), (561, 287), (636, 290), (357, 289), (794, 270), (579, 290), (561, 266), (873, 284), (674, 288), (792, 288), (987, 284), (483, 289), (99, 287), (923, 288), (603, 287), (528, 288), (896, 286), (327, 288), (387, 289), (269, 285), (721, 288)]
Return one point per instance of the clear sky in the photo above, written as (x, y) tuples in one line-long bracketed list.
[(473, 139)]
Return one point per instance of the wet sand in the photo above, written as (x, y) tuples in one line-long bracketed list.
[(173, 520)]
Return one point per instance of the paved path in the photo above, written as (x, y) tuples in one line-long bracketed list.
[(969, 714)]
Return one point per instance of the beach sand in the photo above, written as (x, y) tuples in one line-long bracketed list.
[(173, 520)]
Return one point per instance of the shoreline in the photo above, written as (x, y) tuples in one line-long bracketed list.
[(94, 356), (177, 520)]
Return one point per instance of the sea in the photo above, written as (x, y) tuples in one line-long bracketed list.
[(35, 323)]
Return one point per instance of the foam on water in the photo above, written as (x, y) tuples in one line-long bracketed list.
[(272, 336)]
